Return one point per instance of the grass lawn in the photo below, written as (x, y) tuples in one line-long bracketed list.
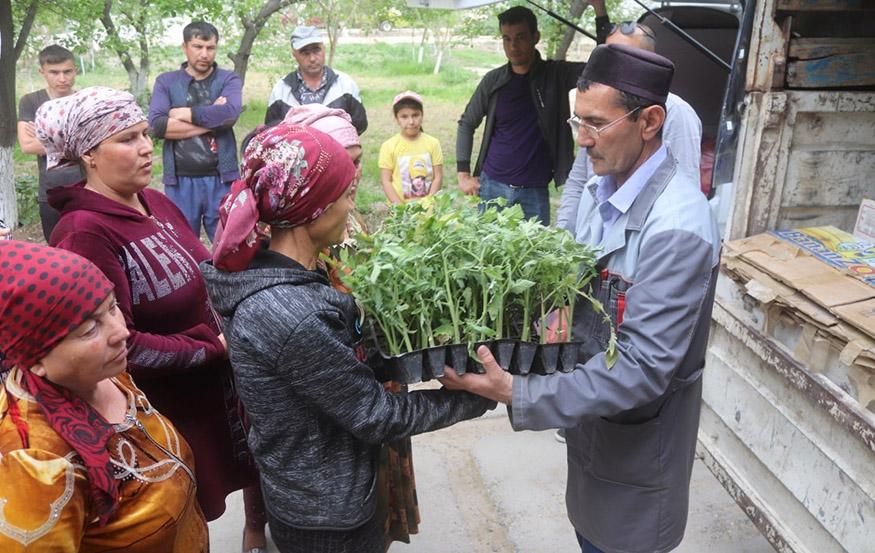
[(380, 70)]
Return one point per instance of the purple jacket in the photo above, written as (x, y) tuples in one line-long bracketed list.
[(171, 91)]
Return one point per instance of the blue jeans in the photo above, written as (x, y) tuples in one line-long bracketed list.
[(198, 198), (585, 546), (534, 201)]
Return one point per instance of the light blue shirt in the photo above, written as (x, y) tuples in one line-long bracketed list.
[(613, 201)]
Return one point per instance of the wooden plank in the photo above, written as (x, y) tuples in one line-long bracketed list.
[(825, 131), (828, 178), (824, 5), (794, 217), (833, 72), (809, 48)]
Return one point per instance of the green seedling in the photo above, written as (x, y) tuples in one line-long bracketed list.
[(439, 271)]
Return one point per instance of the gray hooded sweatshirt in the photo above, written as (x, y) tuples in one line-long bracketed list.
[(317, 414)]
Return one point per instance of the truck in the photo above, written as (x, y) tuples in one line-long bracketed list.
[(790, 435)]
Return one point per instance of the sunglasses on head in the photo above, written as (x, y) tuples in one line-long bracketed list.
[(628, 28)]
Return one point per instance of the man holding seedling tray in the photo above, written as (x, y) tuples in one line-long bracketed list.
[(631, 418)]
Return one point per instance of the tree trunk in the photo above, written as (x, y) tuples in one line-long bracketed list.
[(8, 200), (442, 43), (574, 14), (241, 56), (333, 36), (137, 78), (10, 50), (437, 63), (141, 90), (253, 26), (422, 44)]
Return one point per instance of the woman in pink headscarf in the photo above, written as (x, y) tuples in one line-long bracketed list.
[(317, 413), (337, 124)]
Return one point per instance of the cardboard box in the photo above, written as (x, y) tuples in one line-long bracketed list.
[(836, 248), (817, 287)]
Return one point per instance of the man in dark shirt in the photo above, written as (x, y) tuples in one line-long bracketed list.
[(526, 142), (58, 68), (194, 109)]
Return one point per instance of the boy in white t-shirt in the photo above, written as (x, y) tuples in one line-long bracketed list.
[(411, 162)]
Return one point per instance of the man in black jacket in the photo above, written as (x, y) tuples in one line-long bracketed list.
[(526, 142)]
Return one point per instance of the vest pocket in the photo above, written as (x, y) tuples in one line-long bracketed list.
[(628, 454), (610, 290)]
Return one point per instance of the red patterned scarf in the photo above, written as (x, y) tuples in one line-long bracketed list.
[(45, 294), (290, 174)]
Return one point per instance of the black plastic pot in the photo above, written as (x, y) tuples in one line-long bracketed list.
[(547, 358), (458, 358), (408, 367), (433, 361), (379, 363), (474, 364), (568, 356), (503, 351), (525, 355)]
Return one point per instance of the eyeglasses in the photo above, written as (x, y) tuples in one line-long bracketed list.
[(628, 28), (592, 131)]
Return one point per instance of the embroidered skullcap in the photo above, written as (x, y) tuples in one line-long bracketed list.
[(45, 293), (73, 125), (289, 175), (334, 122), (632, 70)]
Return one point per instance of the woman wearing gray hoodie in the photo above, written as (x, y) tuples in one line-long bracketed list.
[(318, 415)]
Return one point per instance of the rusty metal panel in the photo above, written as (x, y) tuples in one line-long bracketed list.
[(748, 498), (792, 448)]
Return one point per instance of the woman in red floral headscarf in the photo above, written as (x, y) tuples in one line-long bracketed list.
[(317, 413), (397, 505), (86, 463)]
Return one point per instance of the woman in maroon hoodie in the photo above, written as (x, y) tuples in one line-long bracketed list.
[(141, 241)]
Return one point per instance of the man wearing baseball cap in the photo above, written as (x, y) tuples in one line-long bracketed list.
[(631, 416), (314, 83)]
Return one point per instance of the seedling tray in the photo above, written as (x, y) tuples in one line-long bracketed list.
[(515, 356)]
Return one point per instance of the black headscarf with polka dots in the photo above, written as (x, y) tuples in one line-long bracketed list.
[(45, 293)]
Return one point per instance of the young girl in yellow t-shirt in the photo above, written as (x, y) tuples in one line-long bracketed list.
[(411, 162)]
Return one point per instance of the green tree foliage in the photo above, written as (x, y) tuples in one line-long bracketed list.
[(251, 16), (335, 16)]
